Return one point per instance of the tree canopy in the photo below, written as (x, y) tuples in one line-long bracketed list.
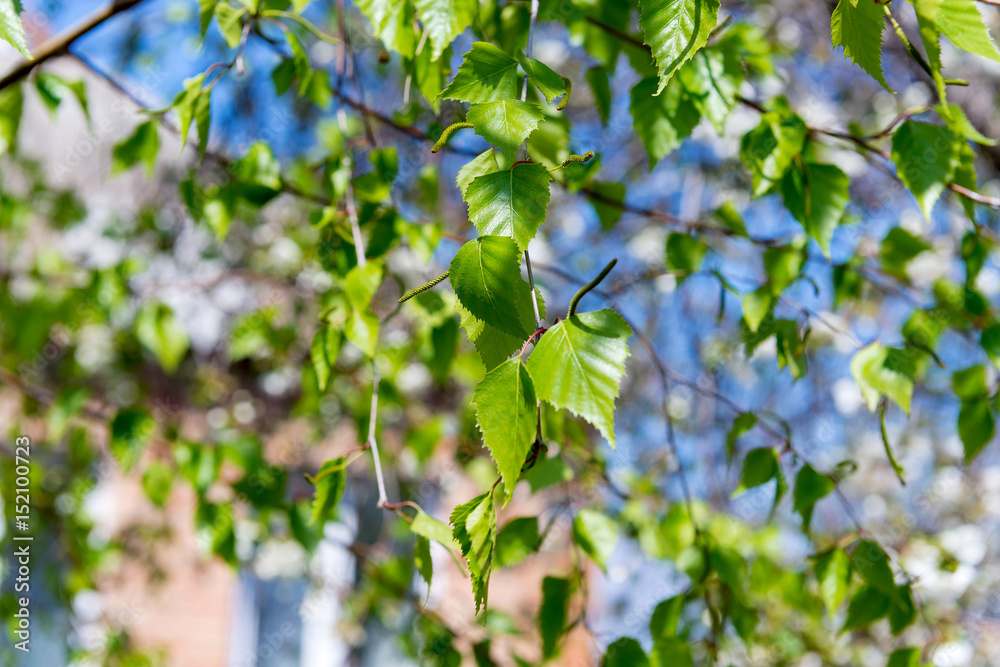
[(685, 312)]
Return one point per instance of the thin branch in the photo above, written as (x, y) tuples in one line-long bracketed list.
[(60, 45)]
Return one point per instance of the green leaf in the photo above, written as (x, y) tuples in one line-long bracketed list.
[(142, 146), (759, 467), (872, 564), (898, 248), (757, 305), (482, 273), (675, 30), (867, 605), (600, 85), (392, 23), (493, 345), (329, 482), (665, 618), (883, 371), (662, 121), (11, 28), (578, 365), (131, 432), (228, 18), (157, 480), (160, 332), (926, 158), (712, 79), (422, 558), (552, 613), (517, 540), (323, 353), (444, 20), (510, 202), (816, 196), (961, 22), (976, 423), (608, 200), (475, 529), (626, 652), (259, 174), (548, 83), (857, 25), (596, 534), (904, 657), (769, 149), (742, 424), (427, 526), (362, 329), (486, 74), (833, 573), (903, 612), (361, 283), (507, 413), (810, 486), (193, 104), (482, 164), (505, 123), (684, 254), (53, 89)]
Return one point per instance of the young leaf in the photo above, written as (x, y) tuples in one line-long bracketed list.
[(684, 254), (870, 561), (482, 273), (486, 74), (11, 28), (507, 412), (422, 558), (159, 331), (392, 22), (961, 22), (510, 202), (769, 149), (867, 605), (712, 78), (482, 164), (493, 345), (904, 657), (505, 123), (857, 26), (627, 652), (548, 83), (926, 158), (810, 486), (142, 146), (883, 371), (578, 366), (329, 488), (517, 540), (833, 573), (976, 423), (662, 121), (131, 431), (444, 20), (816, 195), (675, 30), (475, 529), (427, 526), (552, 613), (596, 534), (741, 426)]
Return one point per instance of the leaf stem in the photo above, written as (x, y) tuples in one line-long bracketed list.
[(912, 50), (898, 469), (589, 286)]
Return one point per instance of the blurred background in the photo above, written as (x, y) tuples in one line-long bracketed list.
[(155, 333)]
